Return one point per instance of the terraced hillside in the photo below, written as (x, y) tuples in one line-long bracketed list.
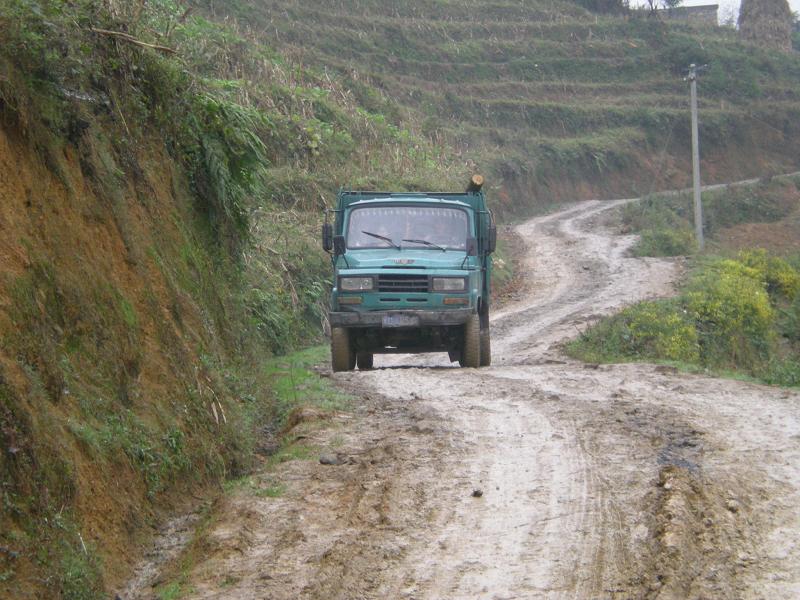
[(557, 101)]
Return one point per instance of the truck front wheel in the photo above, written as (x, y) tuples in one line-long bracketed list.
[(486, 348), (471, 350), (342, 356)]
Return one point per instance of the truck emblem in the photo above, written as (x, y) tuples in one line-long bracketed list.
[(403, 261)]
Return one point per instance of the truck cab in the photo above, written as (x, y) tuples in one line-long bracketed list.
[(411, 274)]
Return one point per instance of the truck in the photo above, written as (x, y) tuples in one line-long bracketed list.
[(411, 274)]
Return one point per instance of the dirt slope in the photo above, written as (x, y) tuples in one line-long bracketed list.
[(628, 481)]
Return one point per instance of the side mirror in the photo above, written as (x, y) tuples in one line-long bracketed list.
[(339, 245), (492, 238), (327, 237), (472, 246)]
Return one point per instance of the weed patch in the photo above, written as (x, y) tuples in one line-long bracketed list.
[(295, 384), (666, 242)]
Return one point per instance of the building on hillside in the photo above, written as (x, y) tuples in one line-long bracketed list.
[(767, 23), (693, 15)]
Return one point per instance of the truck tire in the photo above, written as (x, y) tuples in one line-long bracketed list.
[(471, 350), (364, 360), (486, 348), (342, 356)]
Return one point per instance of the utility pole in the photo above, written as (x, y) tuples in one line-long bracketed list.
[(698, 202)]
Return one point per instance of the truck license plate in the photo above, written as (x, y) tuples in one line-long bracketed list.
[(400, 321)]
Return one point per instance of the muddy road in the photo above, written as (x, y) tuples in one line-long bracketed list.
[(539, 477)]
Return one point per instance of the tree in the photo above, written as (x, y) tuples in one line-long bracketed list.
[(654, 5), (728, 16)]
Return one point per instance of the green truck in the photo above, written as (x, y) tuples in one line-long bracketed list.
[(412, 274)]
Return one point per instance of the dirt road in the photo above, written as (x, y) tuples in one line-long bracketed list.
[(538, 477)]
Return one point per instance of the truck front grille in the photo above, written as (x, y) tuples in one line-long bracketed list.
[(403, 283)]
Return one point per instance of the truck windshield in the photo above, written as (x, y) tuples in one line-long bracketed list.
[(441, 228)]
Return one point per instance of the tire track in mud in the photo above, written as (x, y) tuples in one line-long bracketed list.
[(613, 481), (652, 521)]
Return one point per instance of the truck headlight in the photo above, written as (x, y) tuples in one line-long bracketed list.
[(356, 284), (449, 284)]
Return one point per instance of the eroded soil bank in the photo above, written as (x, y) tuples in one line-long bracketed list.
[(538, 477)]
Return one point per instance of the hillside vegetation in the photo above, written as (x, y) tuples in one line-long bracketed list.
[(735, 316), (739, 310), (163, 165), (764, 214), (555, 101), (160, 214)]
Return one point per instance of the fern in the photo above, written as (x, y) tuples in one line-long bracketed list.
[(233, 160)]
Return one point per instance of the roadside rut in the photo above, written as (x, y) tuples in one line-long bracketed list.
[(538, 477)]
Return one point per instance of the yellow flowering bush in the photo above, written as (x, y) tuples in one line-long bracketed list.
[(657, 330), (780, 276), (731, 308), (731, 315), (648, 330)]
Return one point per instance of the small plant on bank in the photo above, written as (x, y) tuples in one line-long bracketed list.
[(666, 242)]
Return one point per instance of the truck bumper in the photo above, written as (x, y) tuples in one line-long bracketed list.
[(401, 318)]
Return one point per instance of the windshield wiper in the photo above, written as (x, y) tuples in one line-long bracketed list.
[(382, 237), (427, 243)]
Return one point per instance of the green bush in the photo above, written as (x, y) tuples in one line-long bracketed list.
[(649, 330), (730, 305), (232, 158), (764, 202), (666, 242), (784, 372), (656, 212), (790, 326), (781, 278), (725, 319), (665, 222)]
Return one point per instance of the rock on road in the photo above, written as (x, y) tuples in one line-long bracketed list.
[(612, 481)]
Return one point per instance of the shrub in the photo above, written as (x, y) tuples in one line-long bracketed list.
[(666, 242), (665, 222), (649, 330), (655, 212), (790, 323), (729, 302), (782, 279), (783, 372), (764, 202)]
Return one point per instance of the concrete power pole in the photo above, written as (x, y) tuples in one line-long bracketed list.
[(698, 202)]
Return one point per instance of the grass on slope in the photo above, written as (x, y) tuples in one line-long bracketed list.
[(538, 93), (666, 222)]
